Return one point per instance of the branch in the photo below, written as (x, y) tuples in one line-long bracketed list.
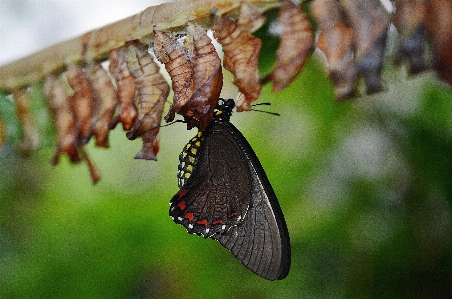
[(96, 44)]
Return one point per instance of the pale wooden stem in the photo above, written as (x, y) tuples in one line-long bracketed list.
[(96, 44)]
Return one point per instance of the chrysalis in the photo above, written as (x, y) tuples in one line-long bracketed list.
[(80, 101), (409, 20), (30, 139), (177, 64), (439, 24), (125, 90), (296, 43), (207, 78), (335, 40), (151, 91), (64, 118), (369, 21), (241, 50), (104, 102)]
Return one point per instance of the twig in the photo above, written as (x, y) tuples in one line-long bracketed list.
[(96, 44)]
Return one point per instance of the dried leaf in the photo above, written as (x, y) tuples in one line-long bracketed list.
[(296, 43), (369, 21), (439, 24), (207, 78), (179, 68), (409, 21), (30, 139), (125, 90), (241, 52), (151, 91), (64, 118), (335, 39), (80, 101)]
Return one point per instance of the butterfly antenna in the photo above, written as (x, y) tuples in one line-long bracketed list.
[(266, 104)]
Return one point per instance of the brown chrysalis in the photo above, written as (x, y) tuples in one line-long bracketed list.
[(55, 93), (80, 101), (30, 139), (169, 52), (151, 91), (335, 40), (104, 102), (241, 50), (207, 78), (369, 21), (125, 90), (296, 43)]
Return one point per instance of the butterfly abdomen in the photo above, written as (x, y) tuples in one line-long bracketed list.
[(188, 158)]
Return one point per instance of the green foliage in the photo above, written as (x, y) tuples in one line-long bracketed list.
[(364, 185)]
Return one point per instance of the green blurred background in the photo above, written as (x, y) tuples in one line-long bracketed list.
[(365, 187)]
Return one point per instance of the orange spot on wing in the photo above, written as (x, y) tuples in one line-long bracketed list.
[(203, 222), (182, 192), (232, 214), (218, 221), (182, 205), (189, 216)]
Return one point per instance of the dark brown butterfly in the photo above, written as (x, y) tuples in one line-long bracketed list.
[(225, 195)]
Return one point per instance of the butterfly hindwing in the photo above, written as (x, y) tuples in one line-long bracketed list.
[(261, 241)]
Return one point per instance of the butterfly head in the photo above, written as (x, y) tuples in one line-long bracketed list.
[(223, 111)]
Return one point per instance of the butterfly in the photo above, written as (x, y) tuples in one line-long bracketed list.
[(225, 195)]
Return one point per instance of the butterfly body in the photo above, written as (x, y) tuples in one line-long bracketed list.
[(225, 195)]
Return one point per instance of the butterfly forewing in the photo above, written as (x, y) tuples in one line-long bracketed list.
[(217, 194)]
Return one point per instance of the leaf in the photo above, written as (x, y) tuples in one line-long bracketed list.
[(179, 68), (207, 78), (64, 119), (151, 91), (125, 90), (296, 43), (80, 101), (30, 139), (335, 41), (241, 51), (104, 102)]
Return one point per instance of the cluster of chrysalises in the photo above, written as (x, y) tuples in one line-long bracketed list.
[(134, 91), (353, 35), (96, 103), (88, 101), (241, 49)]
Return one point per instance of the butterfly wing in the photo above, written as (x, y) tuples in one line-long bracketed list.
[(261, 241), (217, 194), (229, 199)]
